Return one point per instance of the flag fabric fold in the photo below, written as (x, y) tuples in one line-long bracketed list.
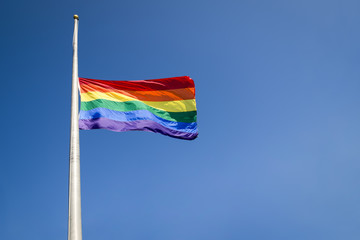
[(165, 106)]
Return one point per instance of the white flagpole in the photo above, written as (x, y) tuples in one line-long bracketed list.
[(74, 227)]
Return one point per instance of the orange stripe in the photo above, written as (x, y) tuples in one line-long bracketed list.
[(157, 95)]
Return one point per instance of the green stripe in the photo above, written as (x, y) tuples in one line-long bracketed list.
[(128, 106)]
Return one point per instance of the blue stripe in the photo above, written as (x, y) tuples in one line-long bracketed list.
[(135, 116)]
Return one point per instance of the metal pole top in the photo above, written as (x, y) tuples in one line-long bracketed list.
[(76, 17)]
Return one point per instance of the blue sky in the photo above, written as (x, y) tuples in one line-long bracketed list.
[(277, 87)]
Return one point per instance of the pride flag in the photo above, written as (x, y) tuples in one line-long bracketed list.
[(165, 106)]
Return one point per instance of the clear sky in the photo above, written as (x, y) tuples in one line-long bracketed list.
[(277, 88)]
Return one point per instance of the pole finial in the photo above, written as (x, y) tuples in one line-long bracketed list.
[(76, 17)]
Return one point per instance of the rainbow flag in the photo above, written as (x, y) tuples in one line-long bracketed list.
[(165, 106)]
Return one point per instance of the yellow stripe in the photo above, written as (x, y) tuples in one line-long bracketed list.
[(112, 96), (169, 106)]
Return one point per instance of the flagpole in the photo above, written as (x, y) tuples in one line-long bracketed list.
[(74, 227)]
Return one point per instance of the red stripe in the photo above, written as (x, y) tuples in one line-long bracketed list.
[(158, 95), (143, 85)]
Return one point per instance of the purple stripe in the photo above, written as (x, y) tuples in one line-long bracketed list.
[(139, 125)]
